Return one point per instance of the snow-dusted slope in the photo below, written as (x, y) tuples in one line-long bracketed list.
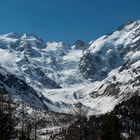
[(112, 51), (114, 60), (44, 66), (96, 75), (19, 90)]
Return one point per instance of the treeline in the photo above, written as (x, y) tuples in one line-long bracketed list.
[(20, 122), (123, 123), (105, 127), (6, 117), (15, 121)]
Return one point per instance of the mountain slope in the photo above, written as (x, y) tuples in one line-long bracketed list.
[(19, 90)]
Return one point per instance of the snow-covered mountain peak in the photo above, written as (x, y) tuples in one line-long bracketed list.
[(128, 23), (123, 36), (31, 37), (13, 35), (57, 46), (79, 44), (112, 51)]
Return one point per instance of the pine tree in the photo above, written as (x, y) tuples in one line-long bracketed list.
[(78, 130), (110, 127), (6, 117)]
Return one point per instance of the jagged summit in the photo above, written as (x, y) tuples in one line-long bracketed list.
[(79, 44), (128, 22), (13, 35), (98, 74)]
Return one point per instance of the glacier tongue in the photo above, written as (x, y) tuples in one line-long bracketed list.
[(98, 74)]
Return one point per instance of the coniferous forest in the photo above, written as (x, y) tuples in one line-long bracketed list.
[(123, 123)]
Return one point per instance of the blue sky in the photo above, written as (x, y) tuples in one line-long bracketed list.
[(66, 20)]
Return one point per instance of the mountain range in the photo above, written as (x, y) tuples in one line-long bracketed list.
[(96, 75)]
